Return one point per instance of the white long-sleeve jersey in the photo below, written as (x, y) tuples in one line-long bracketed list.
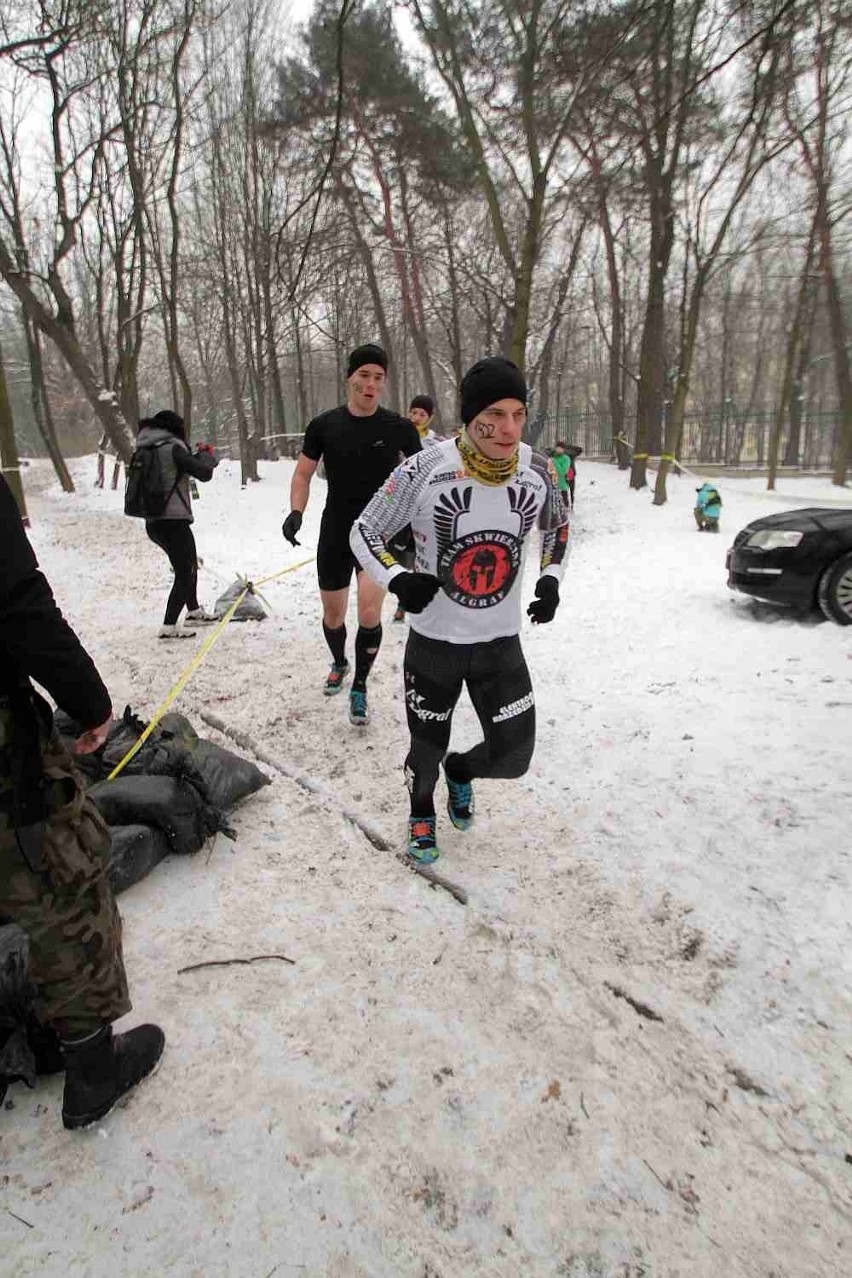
[(469, 534)]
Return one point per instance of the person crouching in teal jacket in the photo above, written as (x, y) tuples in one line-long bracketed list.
[(708, 508)]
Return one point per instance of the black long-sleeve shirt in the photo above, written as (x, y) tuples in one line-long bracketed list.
[(36, 642)]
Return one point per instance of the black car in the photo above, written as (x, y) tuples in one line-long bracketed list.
[(801, 558)]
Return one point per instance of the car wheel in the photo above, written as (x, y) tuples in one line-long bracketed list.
[(835, 591)]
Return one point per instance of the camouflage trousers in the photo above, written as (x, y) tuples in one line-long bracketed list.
[(53, 884)]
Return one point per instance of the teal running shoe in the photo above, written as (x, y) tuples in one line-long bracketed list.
[(358, 712), (336, 676), (460, 803), (422, 844)]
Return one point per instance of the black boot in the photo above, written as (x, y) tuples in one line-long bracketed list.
[(99, 1070), (46, 1047)]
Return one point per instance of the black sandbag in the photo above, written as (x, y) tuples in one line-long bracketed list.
[(16, 1009), (228, 778), (177, 727), (91, 765), (174, 749), (165, 802), (251, 609), (123, 735), (135, 850), (224, 778)]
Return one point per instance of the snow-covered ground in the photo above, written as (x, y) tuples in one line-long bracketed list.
[(442, 1091)]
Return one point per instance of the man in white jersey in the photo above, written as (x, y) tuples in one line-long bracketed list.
[(471, 502)]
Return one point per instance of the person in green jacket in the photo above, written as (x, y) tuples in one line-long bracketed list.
[(564, 467), (708, 508)]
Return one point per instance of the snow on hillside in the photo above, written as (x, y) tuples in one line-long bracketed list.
[(445, 1091)]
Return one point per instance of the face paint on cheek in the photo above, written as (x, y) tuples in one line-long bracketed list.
[(483, 430)]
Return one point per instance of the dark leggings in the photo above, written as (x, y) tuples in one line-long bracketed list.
[(174, 536), (499, 686)]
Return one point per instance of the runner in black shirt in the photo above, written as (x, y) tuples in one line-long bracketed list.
[(360, 444)]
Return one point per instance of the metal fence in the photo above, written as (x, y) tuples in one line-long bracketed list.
[(720, 437)]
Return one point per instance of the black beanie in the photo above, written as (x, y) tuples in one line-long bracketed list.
[(488, 381), (426, 402), (369, 353)]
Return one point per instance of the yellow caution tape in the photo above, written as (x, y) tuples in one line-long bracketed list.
[(190, 670)]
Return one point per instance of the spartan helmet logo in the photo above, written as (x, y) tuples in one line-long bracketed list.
[(483, 569)]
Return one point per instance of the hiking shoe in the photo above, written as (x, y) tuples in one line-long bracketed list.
[(200, 617), (336, 676), (399, 615), (101, 1069), (422, 843), (460, 803), (176, 632), (358, 712)]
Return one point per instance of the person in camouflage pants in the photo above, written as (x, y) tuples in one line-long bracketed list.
[(54, 844), (53, 884)]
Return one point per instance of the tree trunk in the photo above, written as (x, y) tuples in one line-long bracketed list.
[(61, 332), (616, 339), (454, 334), (365, 256), (520, 308), (9, 460), (42, 411), (842, 372), (652, 372)]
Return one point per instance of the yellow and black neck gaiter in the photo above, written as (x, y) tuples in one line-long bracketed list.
[(483, 468)]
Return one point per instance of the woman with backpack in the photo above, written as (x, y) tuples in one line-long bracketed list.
[(158, 492)]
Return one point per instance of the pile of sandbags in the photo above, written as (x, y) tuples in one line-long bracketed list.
[(171, 797)]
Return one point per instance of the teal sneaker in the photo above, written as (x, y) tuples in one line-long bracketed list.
[(460, 803), (422, 844), (336, 676), (358, 712)]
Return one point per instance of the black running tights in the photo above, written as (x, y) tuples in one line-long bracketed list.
[(499, 686), (174, 536)]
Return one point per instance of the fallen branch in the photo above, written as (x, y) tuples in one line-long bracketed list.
[(666, 1184), (745, 1081), (256, 958), (432, 876), (375, 836), (15, 1216), (642, 1008)]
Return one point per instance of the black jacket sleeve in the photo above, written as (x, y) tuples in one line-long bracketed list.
[(35, 639), (199, 465)]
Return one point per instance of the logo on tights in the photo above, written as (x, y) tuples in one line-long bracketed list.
[(514, 708), (416, 704)]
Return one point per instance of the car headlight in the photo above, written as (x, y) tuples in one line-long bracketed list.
[(770, 539)]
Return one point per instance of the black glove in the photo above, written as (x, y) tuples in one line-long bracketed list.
[(291, 526), (414, 590), (543, 607)]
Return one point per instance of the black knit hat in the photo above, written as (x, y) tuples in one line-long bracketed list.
[(369, 353), (426, 402), (488, 381)]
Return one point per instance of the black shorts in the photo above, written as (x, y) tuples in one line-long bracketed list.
[(335, 561)]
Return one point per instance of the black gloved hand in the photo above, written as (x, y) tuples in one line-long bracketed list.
[(543, 607), (291, 526), (414, 590)]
